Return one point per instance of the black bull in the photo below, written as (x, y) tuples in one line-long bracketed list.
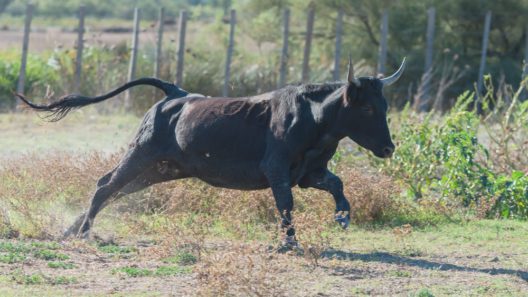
[(278, 139)]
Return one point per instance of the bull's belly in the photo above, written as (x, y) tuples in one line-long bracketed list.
[(235, 175)]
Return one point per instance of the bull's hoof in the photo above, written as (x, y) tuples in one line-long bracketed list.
[(343, 219), (288, 244), (70, 232), (73, 231)]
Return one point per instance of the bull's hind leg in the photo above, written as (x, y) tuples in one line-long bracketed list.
[(133, 164), (161, 172)]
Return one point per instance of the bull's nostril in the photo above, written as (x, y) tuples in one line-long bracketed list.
[(387, 151)]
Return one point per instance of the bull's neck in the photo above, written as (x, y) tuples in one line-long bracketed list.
[(325, 105)]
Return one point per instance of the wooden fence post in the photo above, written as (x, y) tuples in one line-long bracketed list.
[(308, 44), (80, 47), (25, 46), (284, 54), (382, 58), (423, 103), (230, 47), (181, 47), (485, 37), (339, 35), (133, 57), (159, 43), (524, 93), (525, 66)]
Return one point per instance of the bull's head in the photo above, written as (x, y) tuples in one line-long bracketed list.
[(364, 112)]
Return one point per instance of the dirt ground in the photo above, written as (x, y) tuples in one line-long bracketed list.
[(485, 258), (462, 258)]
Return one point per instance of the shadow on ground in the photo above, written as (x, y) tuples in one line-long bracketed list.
[(389, 258)]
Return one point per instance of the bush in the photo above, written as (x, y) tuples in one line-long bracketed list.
[(39, 77), (443, 159)]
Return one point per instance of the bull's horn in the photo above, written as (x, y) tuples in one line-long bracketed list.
[(351, 78), (393, 78)]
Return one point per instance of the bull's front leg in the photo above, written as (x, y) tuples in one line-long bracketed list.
[(325, 180), (279, 181)]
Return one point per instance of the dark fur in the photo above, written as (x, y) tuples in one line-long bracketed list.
[(278, 139)]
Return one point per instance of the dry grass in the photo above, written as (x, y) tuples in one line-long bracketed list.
[(38, 190), (245, 270)]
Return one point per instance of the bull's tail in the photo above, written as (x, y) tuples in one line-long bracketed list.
[(60, 108)]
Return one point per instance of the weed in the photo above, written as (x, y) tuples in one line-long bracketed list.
[(182, 258), (45, 245), (399, 273), (38, 279), (15, 247), (422, 293), (27, 279), (61, 265), (11, 258), (13, 252), (116, 250), (62, 280), (171, 270), (133, 271), (49, 255)]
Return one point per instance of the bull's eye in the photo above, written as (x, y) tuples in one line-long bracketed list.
[(368, 109)]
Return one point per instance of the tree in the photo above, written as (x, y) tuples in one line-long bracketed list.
[(4, 4)]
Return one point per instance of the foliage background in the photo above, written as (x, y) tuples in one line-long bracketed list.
[(457, 49)]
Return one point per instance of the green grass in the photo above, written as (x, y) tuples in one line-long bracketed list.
[(17, 251), (61, 265), (116, 250), (62, 280), (171, 270), (50, 255), (40, 279), (182, 258), (160, 271), (132, 271), (11, 258), (423, 293)]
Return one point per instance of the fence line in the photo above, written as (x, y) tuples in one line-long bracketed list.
[(384, 29), (284, 59), (339, 36), (308, 44), (181, 46), (525, 68), (284, 54), (25, 47), (232, 22), (133, 56), (80, 47), (159, 42), (431, 18), (485, 38)]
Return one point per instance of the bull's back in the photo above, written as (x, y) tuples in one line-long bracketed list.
[(222, 141)]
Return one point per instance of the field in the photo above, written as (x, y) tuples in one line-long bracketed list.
[(188, 239)]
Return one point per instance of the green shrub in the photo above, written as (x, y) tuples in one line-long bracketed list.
[(441, 158), (39, 75)]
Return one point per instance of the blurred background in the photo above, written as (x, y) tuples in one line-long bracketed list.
[(377, 34)]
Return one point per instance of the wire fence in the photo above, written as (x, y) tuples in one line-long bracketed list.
[(432, 55)]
